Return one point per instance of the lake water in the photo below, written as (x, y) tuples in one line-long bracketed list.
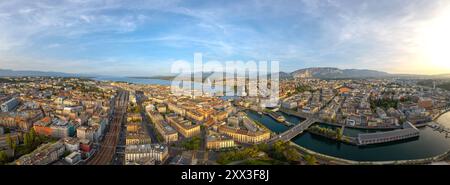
[(134, 80)]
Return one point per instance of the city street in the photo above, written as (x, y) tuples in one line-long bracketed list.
[(148, 126)]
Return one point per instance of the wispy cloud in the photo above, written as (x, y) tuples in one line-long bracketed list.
[(80, 35)]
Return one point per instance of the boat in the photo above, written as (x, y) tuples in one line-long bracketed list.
[(289, 124), (276, 116)]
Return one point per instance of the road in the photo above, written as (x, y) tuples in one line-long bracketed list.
[(203, 152), (148, 127)]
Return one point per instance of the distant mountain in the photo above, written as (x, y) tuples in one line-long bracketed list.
[(442, 76), (285, 76), (13, 73), (329, 72), (315, 72), (282, 76)]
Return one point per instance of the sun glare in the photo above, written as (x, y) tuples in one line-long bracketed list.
[(435, 42)]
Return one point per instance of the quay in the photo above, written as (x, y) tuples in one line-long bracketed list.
[(408, 131), (307, 115)]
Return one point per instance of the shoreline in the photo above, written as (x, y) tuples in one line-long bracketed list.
[(342, 161), (348, 140), (435, 118)]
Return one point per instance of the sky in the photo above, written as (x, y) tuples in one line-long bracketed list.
[(144, 38)]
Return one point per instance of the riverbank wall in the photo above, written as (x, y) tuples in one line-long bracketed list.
[(341, 161)]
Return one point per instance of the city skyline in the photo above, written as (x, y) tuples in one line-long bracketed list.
[(223, 91), (144, 38)]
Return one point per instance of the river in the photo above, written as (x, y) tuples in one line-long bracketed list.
[(428, 144)]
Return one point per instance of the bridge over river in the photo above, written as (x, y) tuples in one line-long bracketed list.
[(293, 131)]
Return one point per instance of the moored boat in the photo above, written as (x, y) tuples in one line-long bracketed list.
[(276, 116)]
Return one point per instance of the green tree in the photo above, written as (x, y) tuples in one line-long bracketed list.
[(11, 143), (37, 140), (339, 133), (303, 88), (278, 149), (3, 157), (292, 154), (263, 147), (26, 140), (192, 144), (310, 159), (247, 153), (32, 135), (136, 109), (279, 146)]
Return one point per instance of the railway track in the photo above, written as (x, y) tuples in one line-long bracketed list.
[(107, 148)]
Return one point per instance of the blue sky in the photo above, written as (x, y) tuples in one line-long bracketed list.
[(144, 38)]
